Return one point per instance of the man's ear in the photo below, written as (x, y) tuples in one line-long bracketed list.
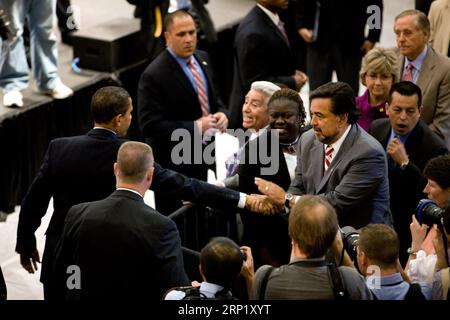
[(386, 108), (420, 110), (116, 169)]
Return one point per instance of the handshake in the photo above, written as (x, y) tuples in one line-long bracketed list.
[(270, 202)]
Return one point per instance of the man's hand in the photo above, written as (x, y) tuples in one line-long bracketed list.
[(207, 122), (29, 261), (221, 121), (300, 79), (248, 269), (271, 190), (396, 150), (262, 204), (367, 46), (306, 34), (418, 233)]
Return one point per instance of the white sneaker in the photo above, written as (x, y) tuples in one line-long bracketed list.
[(13, 99), (61, 91)]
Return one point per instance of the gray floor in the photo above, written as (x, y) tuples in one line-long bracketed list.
[(23, 286)]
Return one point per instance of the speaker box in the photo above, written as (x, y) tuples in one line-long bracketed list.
[(109, 46)]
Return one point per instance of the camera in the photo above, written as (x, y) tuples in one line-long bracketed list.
[(350, 239), (4, 26), (429, 213)]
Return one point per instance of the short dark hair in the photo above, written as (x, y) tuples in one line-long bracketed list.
[(292, 96), (109, 102), (170, 17), (313, 230), (380, 243), (342, 99), (438, 170), (406, 88), (221, 260)]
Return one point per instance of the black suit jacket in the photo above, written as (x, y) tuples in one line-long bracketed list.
[(80, 169), (406, 186), (123, 248), (260, 53), (167, 101), (340, 24), (268, 232)]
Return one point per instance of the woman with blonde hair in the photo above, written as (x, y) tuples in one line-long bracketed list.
[(378, 73)]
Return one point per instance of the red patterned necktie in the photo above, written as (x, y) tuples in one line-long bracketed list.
[(408, 76), (201, 91), (328, 157), (283, 32)]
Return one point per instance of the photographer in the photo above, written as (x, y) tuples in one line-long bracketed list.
[(434, 268), (378, 260), (313, 228), (437, 171), (221, 262)]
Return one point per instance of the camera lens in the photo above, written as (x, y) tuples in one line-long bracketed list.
[(350, 238), (428, 212)]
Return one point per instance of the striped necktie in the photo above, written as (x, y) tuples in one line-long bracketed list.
[(201, 91), (408, 75), (328, 157)]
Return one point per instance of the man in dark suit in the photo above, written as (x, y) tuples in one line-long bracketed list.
[(339, 161), (140, 247), (262, 52), (425, 67), (176, 96), (80, 169), (335, 38), (409, 144)]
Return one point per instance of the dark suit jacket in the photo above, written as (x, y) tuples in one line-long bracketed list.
[(340, 24), (406, 186), (80, 169), (167, 101), (123, 248), (268, 232), (356, 183), (260, 53)]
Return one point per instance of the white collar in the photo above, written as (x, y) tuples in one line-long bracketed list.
[(337, 145), (103, 128), (131, 190)]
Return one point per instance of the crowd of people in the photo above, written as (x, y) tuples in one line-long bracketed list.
[(365, 162)]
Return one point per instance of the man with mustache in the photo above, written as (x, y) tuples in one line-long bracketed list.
[(409, 144), (339, 161), (176, 92)]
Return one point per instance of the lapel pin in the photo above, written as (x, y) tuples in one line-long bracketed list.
[(204, 63)]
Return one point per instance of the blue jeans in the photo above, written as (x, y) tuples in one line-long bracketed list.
[(14, 74)]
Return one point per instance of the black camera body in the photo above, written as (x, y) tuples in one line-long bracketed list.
[(350, 239), (429, 213), (4, 26)]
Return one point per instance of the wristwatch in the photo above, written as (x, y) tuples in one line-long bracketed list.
[(287, 200), (411, 252)]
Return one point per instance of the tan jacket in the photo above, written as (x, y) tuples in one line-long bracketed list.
[(439, 17)]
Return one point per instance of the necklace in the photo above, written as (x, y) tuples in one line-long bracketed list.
[(290, 146)]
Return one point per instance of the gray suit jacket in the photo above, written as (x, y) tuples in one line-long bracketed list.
[(434, 81), (356, 183)]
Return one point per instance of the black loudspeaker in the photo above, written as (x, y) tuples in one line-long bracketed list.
[(109, 46)]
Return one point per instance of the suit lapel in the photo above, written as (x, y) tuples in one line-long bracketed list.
[(343, 151), (317, 155), (426, 70), (179, 75), (270, 23)]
